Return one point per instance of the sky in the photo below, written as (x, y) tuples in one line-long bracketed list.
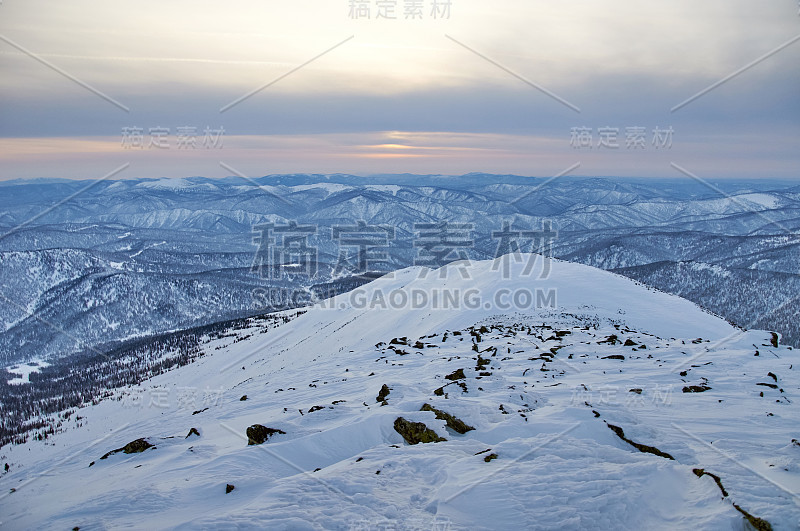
[(529, 87)]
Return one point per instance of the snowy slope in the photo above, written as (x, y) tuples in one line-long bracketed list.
[(538, 386)]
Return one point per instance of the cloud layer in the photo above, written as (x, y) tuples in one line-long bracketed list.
[(491, 71)]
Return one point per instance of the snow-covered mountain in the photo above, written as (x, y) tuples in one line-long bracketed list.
[(86, 264), (602, 404)]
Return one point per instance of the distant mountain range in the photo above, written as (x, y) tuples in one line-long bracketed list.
[(86, 264)]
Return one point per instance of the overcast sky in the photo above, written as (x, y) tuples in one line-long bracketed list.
[(500, 87)]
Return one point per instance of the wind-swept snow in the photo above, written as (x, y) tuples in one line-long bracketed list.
[(541, 386)]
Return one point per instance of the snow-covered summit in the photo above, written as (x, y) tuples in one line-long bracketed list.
[(463, 293), (176, 184), (617, 407)]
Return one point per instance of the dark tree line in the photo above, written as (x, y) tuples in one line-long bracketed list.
[(32, 409)]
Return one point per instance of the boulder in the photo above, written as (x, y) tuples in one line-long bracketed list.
[(415, 432), (258, 434)]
